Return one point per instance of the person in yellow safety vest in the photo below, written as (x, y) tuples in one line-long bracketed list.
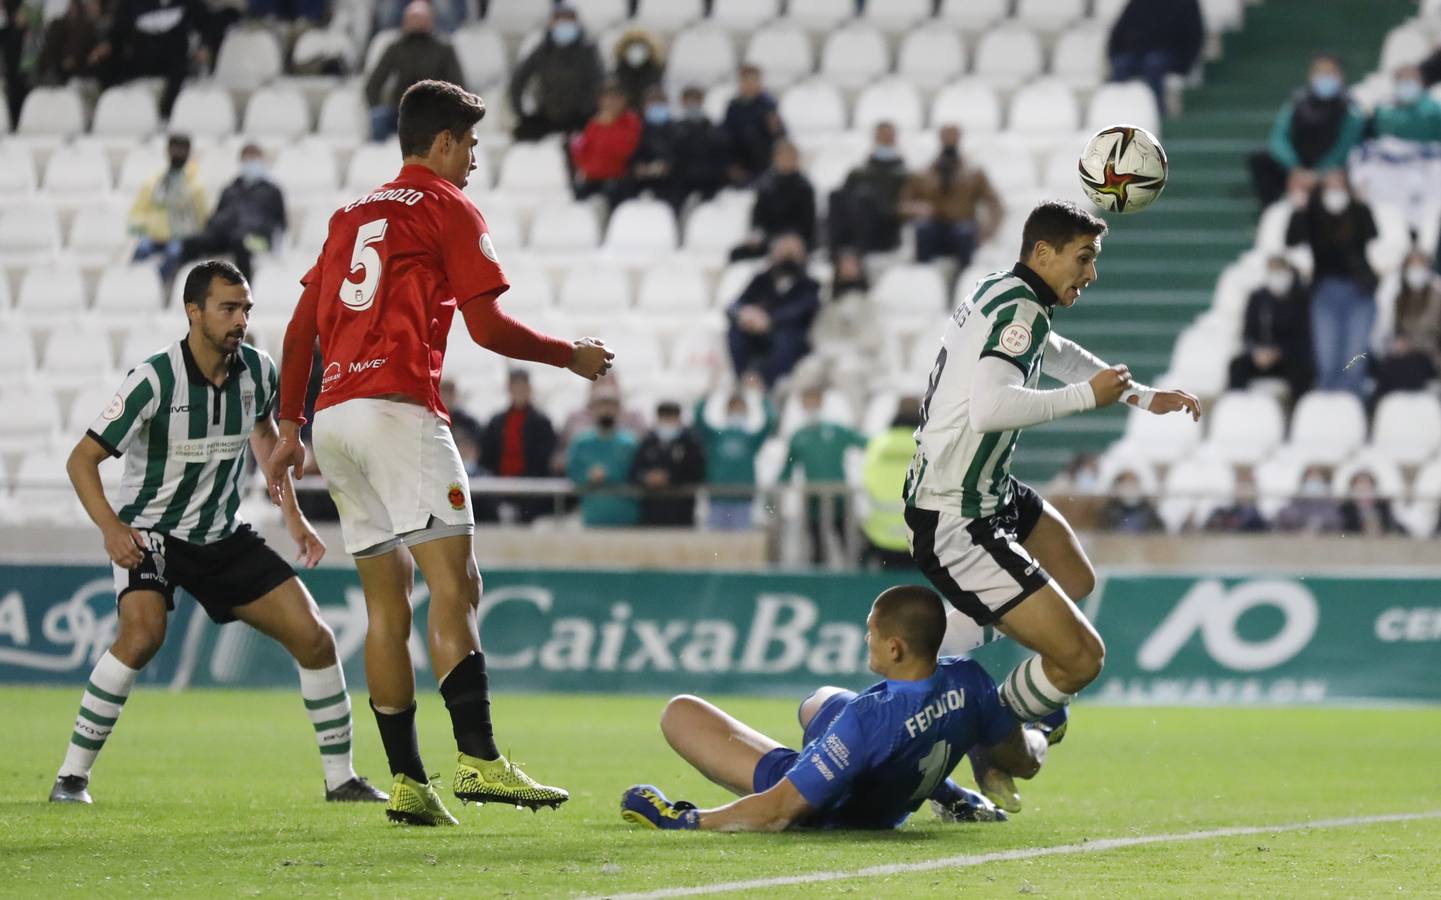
[(888, 457)]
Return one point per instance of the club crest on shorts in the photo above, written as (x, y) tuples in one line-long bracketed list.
[(456, 496)]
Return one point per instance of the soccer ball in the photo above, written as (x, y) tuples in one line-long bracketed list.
[(1123, 168)]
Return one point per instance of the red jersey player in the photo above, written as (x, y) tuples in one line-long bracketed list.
[(396, 265)]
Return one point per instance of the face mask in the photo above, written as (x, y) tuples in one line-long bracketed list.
[(736, 421), (564, 32), (788, 268), (1408, 92), (1326, 86), (667, 433), (885, 154), (811, 416), (637, 55), (606, 423), (1129, 494), (252, 170), (695, 113), (1314, 488), (657, 114), (1335, 200), (1279, 283), (1086, 481), (1416, 277), (178, 162)]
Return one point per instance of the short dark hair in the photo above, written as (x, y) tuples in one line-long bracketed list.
[(197, 283), (1058, 222), (429, 107), (518, 375), (915, 614), (667, 408)]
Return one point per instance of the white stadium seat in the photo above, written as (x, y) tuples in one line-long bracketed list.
[(77, 356), (203, 110), (893, 100), (50, 292), (1387, 475), (1407, 428), (1424, 511), (1404, 45), (1080, 57), (1193, 489), (1201, 359), (669, 15), (343, 117), (565, 228), (783, 53), (1225, 15), (1128, 103), (90, 401), (672, 288), (306, 171), (277, 111), (973, 15), (518, 16), (1327, 427), (1009, 56), (820, 15), (248, 58), (897, 15), (1107, 11), (372, 165), (1245, 426), (1158, 439), (483, 60), (43, 491), (17, 353), (31, 421), (98, 233), (17, 171), (733, 280), (28, 232), (126, 110), (1050, 16), (703, 56), (1043, 107), (744, 15), (531, 287), (641, 228), (911, 288), (598, 14), (930, 56), (377, 47), (813, 106), (1006, 160), (533, 169), (854, 56), (52, 112), (603, 289), (316, 45), (126, 290), (970, 103), (77, 172)]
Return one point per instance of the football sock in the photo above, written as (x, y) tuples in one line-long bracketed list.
[(467, 695), (1029, 693), (947, 793), (110, 683), (402, 748), (328, 706)]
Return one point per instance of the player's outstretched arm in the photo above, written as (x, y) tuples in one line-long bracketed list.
[(122, 543), (497, 332), (1067, 361), (1000, 401)]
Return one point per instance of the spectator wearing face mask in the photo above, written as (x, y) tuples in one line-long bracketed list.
[(702, 148), (1337, 227), (1313, 510), (1241, 515), (653, 165), (418, 55), (753, 122), (952, 205), (170, 207), (770, 322), (639, 65), (785, 204), (1315, 130), (1365, 514), (555, 89), (732, 427), (1413, 354), (864, 213), (1128, 509), (583, 419), (601, 154), (1277, 333), (1080, 477), (818, 449), (670, 459), (248, 220), (600, 462), (1414, 115)]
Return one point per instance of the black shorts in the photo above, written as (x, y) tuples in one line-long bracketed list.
[(231, 572)]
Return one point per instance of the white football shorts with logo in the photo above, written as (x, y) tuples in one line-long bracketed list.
[(394, 473)]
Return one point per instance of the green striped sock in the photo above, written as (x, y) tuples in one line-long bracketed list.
[(100, 705), (328, 706), (1030, 694)]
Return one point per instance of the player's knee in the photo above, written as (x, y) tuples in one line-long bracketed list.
[(315, 649), (813, 702), (138, 640), (1090, 658), (673, 717)]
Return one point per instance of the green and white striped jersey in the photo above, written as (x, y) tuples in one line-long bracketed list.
[(957, 469), (184, 440)]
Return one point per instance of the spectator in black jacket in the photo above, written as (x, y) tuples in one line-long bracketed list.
[(864, 213), (418, 55), (518, 443), (152, 38), (1412, 358), (1241, 515), (248, 219), (1277, 333), (770, 323), (1313, 132), (556, 89), (69, 42), (703, 148), (785, 204), (653, 165), (754, 122), (669, 458), (639, 65), (1154, 38), (1128, 509), (17, 19), (1363, 513)]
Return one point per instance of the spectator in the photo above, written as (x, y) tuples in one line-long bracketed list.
[(732, 435), (864, 213), (419, 54), (1081, 476), (449, 14), (1312, 510), (1414, 116), (1413, 357), (601, 153), (583, 419), (670, 460), (17, 19), (462, 423), (602, 459), (69, 43), (1365, 514), (653, 166), (517, 442), (555, 88), (1242, 515), (771, 320), (888, 459), (639, 65), (1277, 333), (818, 448), (753, 121), (153, 38), (785, 204), (1128, 509), (249, 219), (953, 206), (703, 148), (1314, 130), (169, 208), (848, 338), (1337, 226), (312, 11), (1155, 38)]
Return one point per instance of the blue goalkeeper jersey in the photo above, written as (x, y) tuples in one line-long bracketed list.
[(887, 749)]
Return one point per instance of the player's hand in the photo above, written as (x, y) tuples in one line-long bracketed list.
[(1174, 401), (1109, 384), (124, 545), (289, 453), (591, 359), (310, 548)]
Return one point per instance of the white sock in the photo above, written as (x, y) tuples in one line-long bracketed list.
[(328, 706), (1030, 694), (100, 705)]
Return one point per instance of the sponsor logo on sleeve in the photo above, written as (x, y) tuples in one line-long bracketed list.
[(488, 248), (1016, 339), (113, 411)]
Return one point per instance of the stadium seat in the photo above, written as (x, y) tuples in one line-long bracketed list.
[(483, 60), (1424, 510), (1131, 103), (1157, 439), (1245, 426), (1005, 159), (598, 14), (343, 117), (698, 357), (1404, 45), (703, 55), (126, 110), (248, 58), (307, 173), (713, 228), (77, 356), (930, 56), (1080, 58), (1201, 359), (733, 280), (43, 492), (819, 15), (506, 231), (531, 287), (17, 352), (382, 41), (90, 401), (1193, 488), (518, 16), (98, 232), (1327, 427), (593, 288), (970, 103), (536, 171), (973, 16), (783, 52), (52, 112), (1389, 481), (813, 106), (671, 288), (744, 16), (565, 228), (1046, 106), (896, 16), (854, 56), (893, 100), (1009, 56), (17, 171), (1050, 16), (910, 288), (641, 229), (669, 15), (1224, 15), (50, 292), (127, 290), (372, 165), (1407, 428), (277, 111), (77, 173), (203, 110), (316, 45)]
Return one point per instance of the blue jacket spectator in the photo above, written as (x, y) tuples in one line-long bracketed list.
[(1154, 38), (1315, 130), (754, 123), (770, 322)]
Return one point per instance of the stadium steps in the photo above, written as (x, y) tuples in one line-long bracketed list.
[(1160, 267)]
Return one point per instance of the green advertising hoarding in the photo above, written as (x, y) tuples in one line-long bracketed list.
[(1171, 639)]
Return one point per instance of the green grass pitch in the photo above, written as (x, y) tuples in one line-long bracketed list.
[(218, 793)]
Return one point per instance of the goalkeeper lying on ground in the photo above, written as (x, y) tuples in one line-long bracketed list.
[(869, 759)]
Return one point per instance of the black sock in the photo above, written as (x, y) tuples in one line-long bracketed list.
[(402, 748), (467, 695)]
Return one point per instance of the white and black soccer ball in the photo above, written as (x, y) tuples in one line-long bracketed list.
[(1123, 168)]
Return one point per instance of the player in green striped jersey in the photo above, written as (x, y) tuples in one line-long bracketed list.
[(182, 421), (998, 552)]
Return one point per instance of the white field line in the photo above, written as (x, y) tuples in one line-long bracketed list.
[(958, 862)]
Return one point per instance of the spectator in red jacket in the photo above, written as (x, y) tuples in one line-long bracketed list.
[(601, 153)]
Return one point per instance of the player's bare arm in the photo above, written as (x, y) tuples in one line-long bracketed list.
[(122, 543), (773, 810), (310, 548)]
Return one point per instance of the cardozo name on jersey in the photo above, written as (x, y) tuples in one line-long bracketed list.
[(408, 196), (947, 702)]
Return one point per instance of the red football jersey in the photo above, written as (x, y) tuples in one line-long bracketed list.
[(395, 264)]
